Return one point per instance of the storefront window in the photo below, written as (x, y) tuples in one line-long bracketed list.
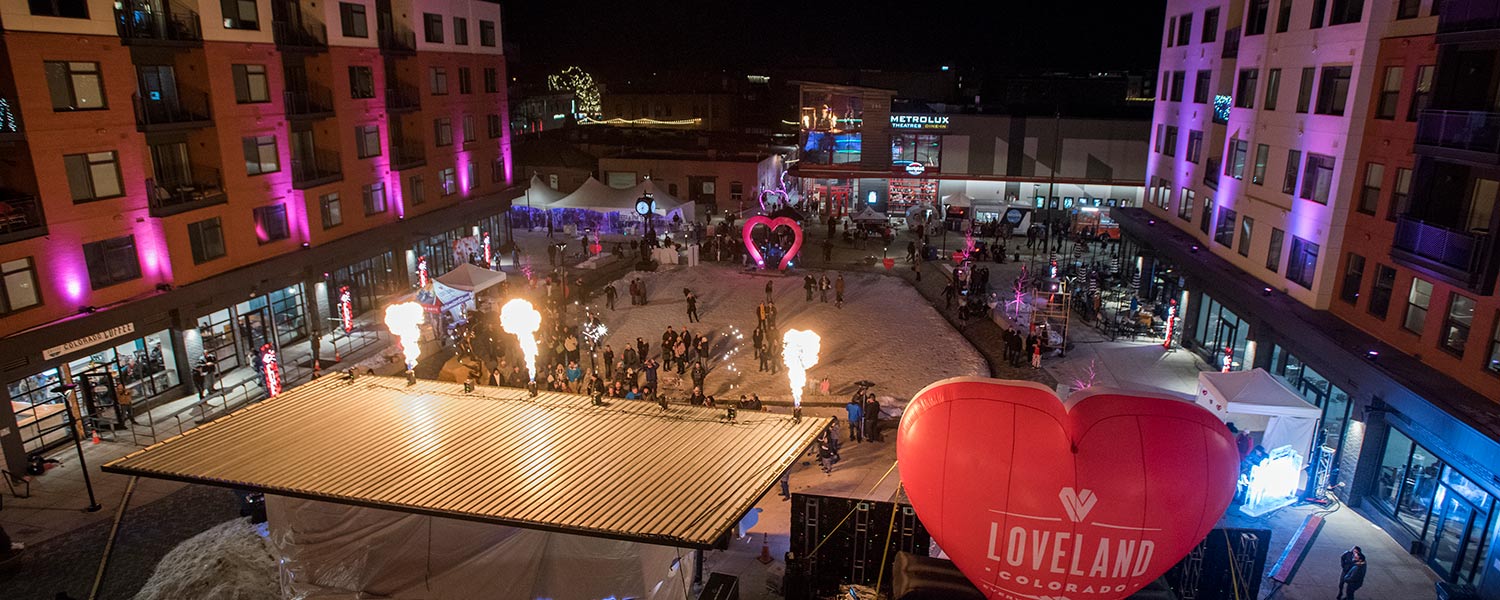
[(1456, 535), (1219, 330), (916, 147), (1407, 481), (439, 252), (367, 280), (828, 148)]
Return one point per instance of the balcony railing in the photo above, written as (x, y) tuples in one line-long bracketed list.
[(1462, 253), (407, 155), (138, 26), (171, 111), (402, 98), (1472, 131), (313, 102), (1231, 44), (402, 41), (20, 216), (170, 197), (291, 35), (315, 170), (10, 120)]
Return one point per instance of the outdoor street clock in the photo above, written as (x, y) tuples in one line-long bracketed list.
[(643, 206)]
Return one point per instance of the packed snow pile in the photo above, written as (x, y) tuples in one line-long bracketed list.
[(885, 333), (230, 561)]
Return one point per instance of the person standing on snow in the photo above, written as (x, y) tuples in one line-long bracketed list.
[(609, 296), (808, 283), (838, 291), (856, 419), (692, 308), (823, 286), (769, 288)]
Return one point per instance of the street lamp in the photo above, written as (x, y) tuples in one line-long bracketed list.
[(648, 233), (62, 391)]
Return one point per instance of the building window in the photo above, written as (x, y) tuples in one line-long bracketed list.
[(1305, 89), (1319, 8), (361, 82), (465, 81), (1400, 194), (1346, 11), (1185, 30), (491, 80), (1262, 155), (1171, 31), (487, 33), (333, 210), (1408, 9), (1255, 20), (1166, 76), (75, 85), (260, 155), (1390, 92), (448, 181), (1273, 88), (432, 28), (1178, 78), (374, 197), (1210, 25), (470, 132), (1185, 204), (1195, 146), (68, 9), (1317, 178), (1205, 220), (1283, 16), (1333, 91), (1238, 153), (1224, 231), (1273, 254), (1303, 263), (1417, 302), (1247, 226), (367, 140), (492, 122), (1408, 479), (1161, 135), (1493, 363), (1369, 196), (1244, 96), (1289, 181), (736, 191), (250, 84), (460, 31), (20, 285), (1354, 273), (112, 261), (497, 170), (240, 14), (916, 147), (1456, 326), (443, 131), (1421, 94), (207, 240), (1381, 290), (352, 17), (93, 176), (415, 193), (438, 80), (270, 223), (469, 174), (1169, 146), (1200, 86)]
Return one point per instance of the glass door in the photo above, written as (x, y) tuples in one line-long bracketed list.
[(1453, 528), (96, 394), (255, 329), (158, 92)]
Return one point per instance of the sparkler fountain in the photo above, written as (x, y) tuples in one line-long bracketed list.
[(800, 352), (405, 322), (520, 319)]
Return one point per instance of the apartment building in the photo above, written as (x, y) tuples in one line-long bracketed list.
[(1314, 163), (229, 177)]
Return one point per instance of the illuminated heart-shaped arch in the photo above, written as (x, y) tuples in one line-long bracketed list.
[(779, 196), (772, 224)]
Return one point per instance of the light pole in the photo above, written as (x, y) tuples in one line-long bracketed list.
[(648, 233), (62, 391)]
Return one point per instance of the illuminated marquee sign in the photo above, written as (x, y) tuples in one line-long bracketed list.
[(346, 308), (915, 169), (919, 121), (271, 370)]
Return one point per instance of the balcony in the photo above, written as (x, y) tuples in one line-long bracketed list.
[(403, 98), (1464, 258), (407, 155), (140, 26), (305, 37), (402, 42), (311, 103), (204, 188), (170, 112), (1466, 135), (10, 121), (312, 171), (1231, 44), (20, 216)]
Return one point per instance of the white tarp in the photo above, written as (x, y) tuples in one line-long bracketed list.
[(540, 195), (960, 199), (1256, 401), (338, 552), (596, 196), (868, 215), (471, 278)]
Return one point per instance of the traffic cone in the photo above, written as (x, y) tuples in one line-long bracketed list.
[(336, 356), (96, 436), (765, 550)]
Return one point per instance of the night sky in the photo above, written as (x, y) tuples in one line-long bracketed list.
[(622, 39)]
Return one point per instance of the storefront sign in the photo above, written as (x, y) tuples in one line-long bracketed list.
[(85, 342), (422, 277), (919, 121), (915, 169), (271, 370), (346, 308)]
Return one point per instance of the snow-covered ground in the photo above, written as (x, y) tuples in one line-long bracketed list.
[(230, 561), (885, 332)]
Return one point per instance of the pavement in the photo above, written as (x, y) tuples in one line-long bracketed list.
[(65, 541)]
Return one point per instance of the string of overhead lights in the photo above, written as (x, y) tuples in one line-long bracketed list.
[(640, 121)]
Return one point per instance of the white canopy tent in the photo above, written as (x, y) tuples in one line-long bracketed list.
[(1256, 401), (594, 195), (471, 278), (960, 200), (540, 195), (868, 215)]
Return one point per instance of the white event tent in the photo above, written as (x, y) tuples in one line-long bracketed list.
[(540, 195), (471, 278), (1256, 401)]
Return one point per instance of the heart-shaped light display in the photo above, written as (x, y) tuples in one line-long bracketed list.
[(778, 197), (772, 224), (1035, 499)]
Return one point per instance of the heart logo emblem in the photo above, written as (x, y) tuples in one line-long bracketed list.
[(1034, 498), (777, 198), (772, 224)]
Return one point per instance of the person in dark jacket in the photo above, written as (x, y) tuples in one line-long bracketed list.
[(872, 418), (1352, 577)]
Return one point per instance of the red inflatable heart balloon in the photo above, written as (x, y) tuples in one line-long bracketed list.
[(1036, 500), (772, 224)]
